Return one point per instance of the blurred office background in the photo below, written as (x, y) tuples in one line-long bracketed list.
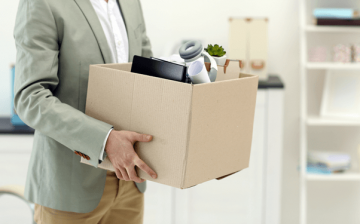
[(296, 49)]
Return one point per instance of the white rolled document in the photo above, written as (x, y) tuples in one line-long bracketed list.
[(198, 73)]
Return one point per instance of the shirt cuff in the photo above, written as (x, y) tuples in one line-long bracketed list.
[(101, 158)]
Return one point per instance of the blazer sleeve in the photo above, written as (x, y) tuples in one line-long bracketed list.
[(36, 39), (146, 45)]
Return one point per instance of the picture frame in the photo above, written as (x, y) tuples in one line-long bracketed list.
[(341, 95)]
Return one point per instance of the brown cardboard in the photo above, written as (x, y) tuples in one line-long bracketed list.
[(200, 132)]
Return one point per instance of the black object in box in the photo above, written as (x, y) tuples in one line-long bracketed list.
[(159, 68)]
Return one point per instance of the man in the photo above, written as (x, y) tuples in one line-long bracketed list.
[(56, 42)]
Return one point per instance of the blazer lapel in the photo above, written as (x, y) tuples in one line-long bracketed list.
[(90, 14)]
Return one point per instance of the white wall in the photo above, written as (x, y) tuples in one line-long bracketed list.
[(169, 21), (7, 52)]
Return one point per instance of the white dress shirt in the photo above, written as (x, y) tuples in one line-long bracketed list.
[(114, 28), (115, 32)]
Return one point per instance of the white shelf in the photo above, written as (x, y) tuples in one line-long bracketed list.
[(334, 177), (333, 65), (319, 121), (307, 33), (332, 29)]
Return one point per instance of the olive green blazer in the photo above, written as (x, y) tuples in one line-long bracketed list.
[(56, 41)]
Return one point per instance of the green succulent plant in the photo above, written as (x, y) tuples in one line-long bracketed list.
[(216, 50)]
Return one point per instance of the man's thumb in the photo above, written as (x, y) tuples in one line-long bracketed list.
[(142, 137)]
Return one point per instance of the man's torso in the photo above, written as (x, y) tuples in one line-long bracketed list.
[(56, 178)]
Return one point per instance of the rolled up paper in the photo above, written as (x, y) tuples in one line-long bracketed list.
[(198, 73)]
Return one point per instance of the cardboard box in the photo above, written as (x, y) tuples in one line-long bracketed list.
[(200, 132)]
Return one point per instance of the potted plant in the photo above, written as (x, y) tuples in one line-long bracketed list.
[(218, 53)]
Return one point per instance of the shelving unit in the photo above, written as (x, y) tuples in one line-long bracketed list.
[(331, 29), (334, 177), (319, 121), (306, 120), (332, 65)]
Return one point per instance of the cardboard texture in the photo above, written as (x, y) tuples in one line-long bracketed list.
[(200, 132)]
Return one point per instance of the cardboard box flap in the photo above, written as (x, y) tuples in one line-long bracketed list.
[(123, 67), (229, 71), (221, 124)]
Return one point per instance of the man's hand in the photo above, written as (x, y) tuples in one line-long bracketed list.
[(120, 150)]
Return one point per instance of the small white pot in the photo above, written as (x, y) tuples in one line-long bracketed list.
[(219, 60)]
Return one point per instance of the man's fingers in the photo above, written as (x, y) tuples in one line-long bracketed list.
[(118, 174), (142, 165), (124, 174), (141, 137), (133, 175)]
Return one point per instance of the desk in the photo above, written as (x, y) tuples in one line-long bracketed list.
[(7, 128), (251, 196)]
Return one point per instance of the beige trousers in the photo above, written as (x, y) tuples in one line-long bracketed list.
[(121, 203)]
